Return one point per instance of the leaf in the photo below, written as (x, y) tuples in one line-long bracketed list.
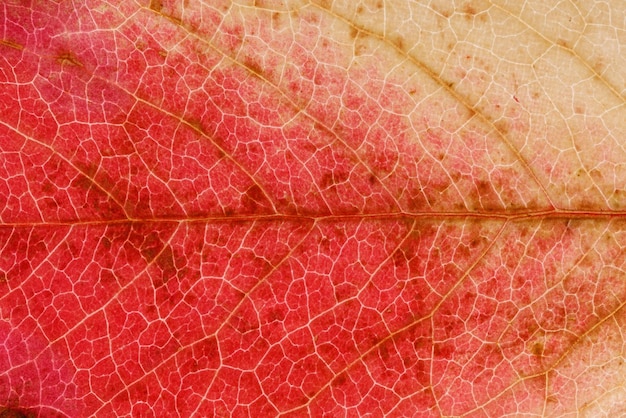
[(312, 208)]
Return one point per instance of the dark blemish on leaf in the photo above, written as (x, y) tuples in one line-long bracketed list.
[(599, 65), (276, 314), (325, 4), (384, 352), (329, 180), (360, 49), (166, 264), (82, 182), (417, 202), (398, 42), (421, 343), (149, 254), (502, 127), (197, 125), (3, 277), (254, 68), (354, 32), (253, 198), (537, 349), (151, 246), (340, 379), (483, 187), (595, 174), (90, 169), (562, 42), (50, 204), (8, 412), (443, 350), (156, 5), (68, 58), (243, 325), (47, 187), (444, 13), (107, 278), (399, 258), (11, 44), (469, 10)]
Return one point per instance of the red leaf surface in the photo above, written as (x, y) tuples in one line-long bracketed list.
[(327, 208)]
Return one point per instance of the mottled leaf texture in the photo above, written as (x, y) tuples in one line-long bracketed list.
[(259, 208)]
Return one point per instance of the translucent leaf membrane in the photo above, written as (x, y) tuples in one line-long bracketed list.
[(312, 208)]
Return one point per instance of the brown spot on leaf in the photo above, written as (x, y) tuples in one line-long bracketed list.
[(254, 68), (483, 187), (537, 349), (443, 350), (197, 125), (562, 42), (82, 182), (325, 4), (47, 187), (151, 244), (384, 351), (469, 11), (253, 199), (399, 258), (398, 41), (106, 243), (596, 175), (156, 5), (167, 267), (444, 13), (16, 413), (67, 58), (502, 126), (340, 379), (11, 44), (354, 32), (418, 203)]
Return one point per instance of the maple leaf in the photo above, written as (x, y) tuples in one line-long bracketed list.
[(319, 208)]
